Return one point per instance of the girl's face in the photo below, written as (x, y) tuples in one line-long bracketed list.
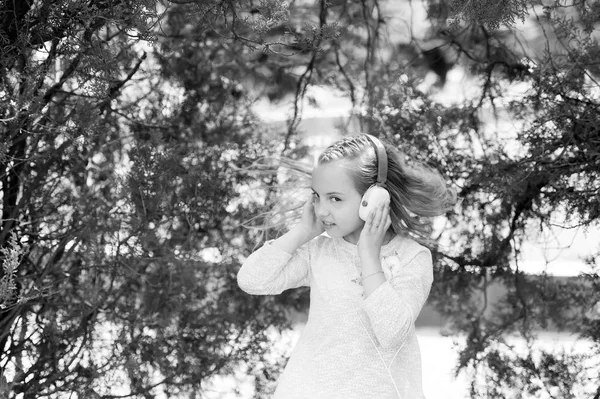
[(337, 200)]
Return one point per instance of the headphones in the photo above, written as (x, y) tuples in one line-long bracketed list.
[(376, 194)]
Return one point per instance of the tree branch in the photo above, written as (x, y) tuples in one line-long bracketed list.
[(115, 88), (66, 74)]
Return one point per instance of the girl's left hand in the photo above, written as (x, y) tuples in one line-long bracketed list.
[(374, 231)]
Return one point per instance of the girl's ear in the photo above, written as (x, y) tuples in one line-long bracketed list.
[(373, 197)]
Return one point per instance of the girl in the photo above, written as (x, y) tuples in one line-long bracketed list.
[(368, 279)]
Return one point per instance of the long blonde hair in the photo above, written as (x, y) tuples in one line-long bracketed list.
[(416, 191), (284, 187)]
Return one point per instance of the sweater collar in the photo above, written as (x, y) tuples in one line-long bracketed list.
[(386, 250)]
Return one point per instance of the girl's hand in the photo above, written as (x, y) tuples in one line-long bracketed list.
[(309, 224), (308, 228), (374, 231)]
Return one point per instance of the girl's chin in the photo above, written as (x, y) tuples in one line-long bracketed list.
[(336, 233), (332, 230), (329, 227)]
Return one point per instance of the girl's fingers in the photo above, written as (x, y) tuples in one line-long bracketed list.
[(309, 206), (309, 201), (385, 221), (379, 219), (381, 216), (372, 218), (372, 225), (388, 222)]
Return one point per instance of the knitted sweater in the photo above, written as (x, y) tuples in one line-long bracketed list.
[(347, 339)]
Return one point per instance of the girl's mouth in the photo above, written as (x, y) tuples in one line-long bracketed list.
[(327, 224)]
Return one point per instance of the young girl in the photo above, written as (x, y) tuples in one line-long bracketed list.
[(368, 279)]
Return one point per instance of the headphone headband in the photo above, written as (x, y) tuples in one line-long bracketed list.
[(382, 159)]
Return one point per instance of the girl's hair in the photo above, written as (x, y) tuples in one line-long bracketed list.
[(416, 191), (283, 185)]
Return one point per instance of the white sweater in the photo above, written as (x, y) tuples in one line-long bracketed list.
[(334, 356)]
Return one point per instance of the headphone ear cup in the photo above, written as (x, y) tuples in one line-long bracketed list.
[(364, 202), (371, 199)]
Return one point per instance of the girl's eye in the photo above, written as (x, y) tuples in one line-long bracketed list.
[(335, 199)]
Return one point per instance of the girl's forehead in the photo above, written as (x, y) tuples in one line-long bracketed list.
[(333, 176)]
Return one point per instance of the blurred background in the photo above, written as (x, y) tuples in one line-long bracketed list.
[(142, 142)]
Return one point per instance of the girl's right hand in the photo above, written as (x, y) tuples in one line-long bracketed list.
[(309, 223), (308, 228)]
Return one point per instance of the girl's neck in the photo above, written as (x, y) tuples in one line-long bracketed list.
[(354, 240)]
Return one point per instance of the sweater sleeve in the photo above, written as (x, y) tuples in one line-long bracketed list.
[(270, 270), (394, 306)]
